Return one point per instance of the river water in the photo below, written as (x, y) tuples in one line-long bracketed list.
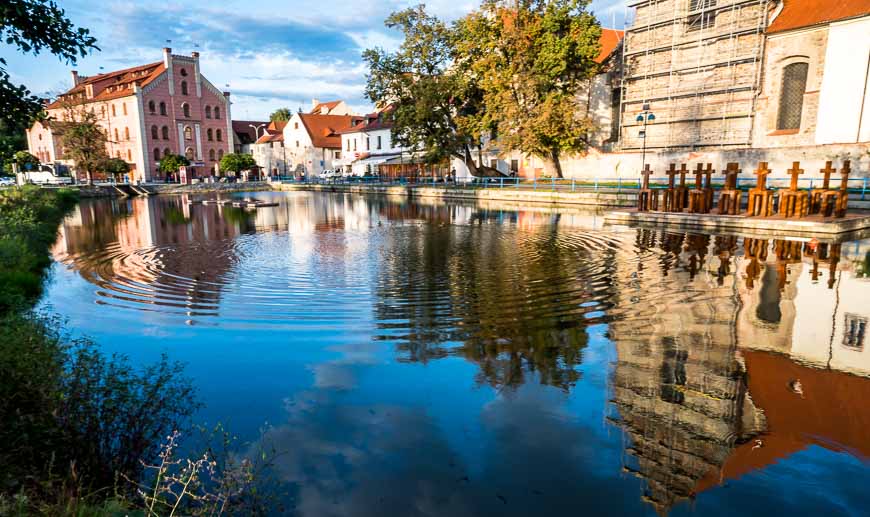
[(431, 358)]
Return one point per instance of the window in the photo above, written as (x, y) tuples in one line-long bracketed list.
[(118, 154), (368, 143), (124, 107), (116, 135), (163, 108), (296, 125), (211, 154), (337, 155), (151, 106), (188, 133), (165, 131), (113, 110), (218, 135), (702, 20), (183, 72), (156, 154), (379, 141), (208, 135), (185, 108), (184, 87), (126, 133), (188, 153), (220, 154), (103, 111), (297, 143), (208, 112), (697, 5), (354, 144), (348, 144), (129, 156), (217, 112), (166, 152), (854, 331), (791, 96), (154, 133), (615, 110)]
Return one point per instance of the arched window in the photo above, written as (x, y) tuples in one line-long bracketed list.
[(165, 131), (220, 153), (126, 133), (217, 112), (184, 87), (151, 106), (218, 135), (791, 96), (163, 108), (183, 72), (208, 112), (113, 110), (154, 134), (188, 153), (156, 154), (118, 154), (116, 135), (211, 155), (188, 133), (166, 152), (185, 108), (208, 134)]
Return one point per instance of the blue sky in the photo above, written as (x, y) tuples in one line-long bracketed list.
[(271, 53)]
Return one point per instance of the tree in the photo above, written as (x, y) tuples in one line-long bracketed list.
[(237, 162), (281, 115), (83, 140), (33, 26), (116, 166), (25, 161), (531, 58), (436, 106), (171, 163)]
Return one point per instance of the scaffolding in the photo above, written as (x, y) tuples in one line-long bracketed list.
[(696, 65)]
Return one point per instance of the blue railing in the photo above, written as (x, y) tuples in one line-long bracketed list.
[(856, 185)]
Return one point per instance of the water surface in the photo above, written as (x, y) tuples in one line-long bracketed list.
[(430, 358)]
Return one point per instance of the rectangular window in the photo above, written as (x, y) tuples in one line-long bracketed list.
[(854, 331), (337, 155), (791, 96), (354, 144), (615, 113), (379, 142), (368, 143), (703, 20), (348, 144), (515, 166)]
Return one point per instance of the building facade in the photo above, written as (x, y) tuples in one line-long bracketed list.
[(147, 112)]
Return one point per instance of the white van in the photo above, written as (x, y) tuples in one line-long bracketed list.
[(46, 176)]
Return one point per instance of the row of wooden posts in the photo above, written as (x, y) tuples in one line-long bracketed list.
[(762, 201)]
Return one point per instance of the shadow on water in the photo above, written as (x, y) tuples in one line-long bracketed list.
[(455, 359)]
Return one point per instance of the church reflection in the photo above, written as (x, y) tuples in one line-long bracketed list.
[(735, 353)]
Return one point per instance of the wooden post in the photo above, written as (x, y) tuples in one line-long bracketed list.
[(646, 173)]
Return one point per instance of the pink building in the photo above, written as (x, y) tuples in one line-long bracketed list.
[(148, 111)]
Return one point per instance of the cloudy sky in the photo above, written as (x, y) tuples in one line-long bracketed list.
[(271, 53)]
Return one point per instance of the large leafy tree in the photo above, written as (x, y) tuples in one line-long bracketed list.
[(281, 115), (83, 141), (237, 162), (116, 166), (436, 105), (171, 163), (531, 57)]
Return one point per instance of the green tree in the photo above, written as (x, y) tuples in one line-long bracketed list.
[(280, 115), (531, 58), (84, 141), (436, 106), (116, 166), (172, 162), (237, 162), (25, 161), (12, 139), (32, 26)]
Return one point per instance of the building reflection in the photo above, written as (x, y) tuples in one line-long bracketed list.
[(734, 353)]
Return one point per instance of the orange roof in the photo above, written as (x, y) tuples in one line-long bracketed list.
[(277, 125), (806, 13), (609, 40), (111, 85), (324, 130), (328, 105), (271, 136)]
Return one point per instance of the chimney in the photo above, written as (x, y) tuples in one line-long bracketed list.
[(194, 55), (314, 103), (75, 78), (167, 56)]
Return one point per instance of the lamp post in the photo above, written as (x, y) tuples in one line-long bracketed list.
[(644, 116), (257, 130)]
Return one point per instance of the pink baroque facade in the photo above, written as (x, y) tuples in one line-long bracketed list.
[(149, 111)]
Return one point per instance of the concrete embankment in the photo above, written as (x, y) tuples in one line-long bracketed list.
[(610, 198)]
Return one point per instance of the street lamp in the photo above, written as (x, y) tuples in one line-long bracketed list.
[(644, 116), (257, 130)]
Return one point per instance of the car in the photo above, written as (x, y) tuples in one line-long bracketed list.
[(329, 174), (7, 182)]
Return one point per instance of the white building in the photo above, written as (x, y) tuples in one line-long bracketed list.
[(367, 144)]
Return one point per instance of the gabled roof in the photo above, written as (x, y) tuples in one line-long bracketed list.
[(797, 14), (324, 130), (328, 105), (609, 40), (371, 122), (111, 85)]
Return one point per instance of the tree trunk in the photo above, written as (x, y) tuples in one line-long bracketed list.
[(553, 165), (469, 162)]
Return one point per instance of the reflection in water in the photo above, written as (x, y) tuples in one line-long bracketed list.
[(456, 359)]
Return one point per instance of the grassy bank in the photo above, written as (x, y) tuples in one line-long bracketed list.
[(83, 433)]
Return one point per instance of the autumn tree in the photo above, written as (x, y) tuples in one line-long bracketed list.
[(436, 108), (280, 115), (83, 141), (531, 58)]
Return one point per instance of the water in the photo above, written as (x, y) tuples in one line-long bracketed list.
[(452, 359)]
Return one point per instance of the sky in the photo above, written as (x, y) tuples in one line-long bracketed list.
[(271, 53)]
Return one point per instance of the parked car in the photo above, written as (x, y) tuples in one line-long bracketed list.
[(7, 182), (329, 174)]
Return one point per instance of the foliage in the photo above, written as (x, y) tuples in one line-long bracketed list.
[(12, 140), (435, 104), (172, 162), (280, 115), (84, 141), (116, 166), (237, 162), (25, 159), (32, 26), (531, 58)]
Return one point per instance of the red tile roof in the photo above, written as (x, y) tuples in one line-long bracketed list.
[(806, 13), (111, 85), (328, 105), (325, 130), (609, 40), (371, 122)]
